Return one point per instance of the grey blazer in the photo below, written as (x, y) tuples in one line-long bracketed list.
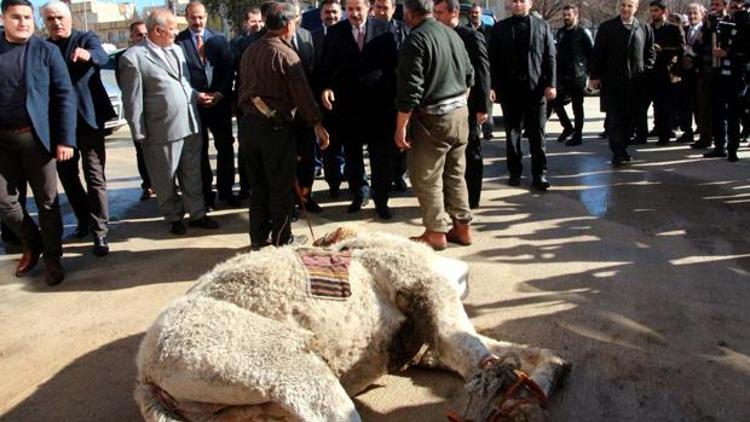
[(160, 105)]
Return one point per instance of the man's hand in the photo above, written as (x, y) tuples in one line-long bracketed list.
[(596, 83), (719, 53), (493, 95), (658, 48), (481, 118), (327, 98), (400, 138), (550, 93), (323, 138), (205, 99), (80, 55), (64, 153)]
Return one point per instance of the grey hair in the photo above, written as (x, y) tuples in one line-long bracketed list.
[(452, 5), (701, 8), (56, 6), (419, 7), (157, 17)]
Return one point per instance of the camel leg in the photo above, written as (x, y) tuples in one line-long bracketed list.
[(221, 362)]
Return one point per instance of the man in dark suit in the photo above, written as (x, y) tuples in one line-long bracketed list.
[(359, 61), (212, 73), (574, 47), (475, 23), (447, 12), (384, 10), (696, 80), (623, 52), (669, 44), (84, 56), (333, 156), (522, 59), (37, 128), (138, 33), (304, 135)]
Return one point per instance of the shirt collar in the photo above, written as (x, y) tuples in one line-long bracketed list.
[(153, 45), (195, 33)]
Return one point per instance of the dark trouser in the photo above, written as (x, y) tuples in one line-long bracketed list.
[(383, 156), (474, 164), (90, 205), (523, 108), (399, 165), (663, 92), (142, 170), (686, 105), (639, 120), (624, 102), (271, 159), (727, 111), (21, 155), (304, 138), (218, 120), (333, 156), (6, 233), (575, 91)]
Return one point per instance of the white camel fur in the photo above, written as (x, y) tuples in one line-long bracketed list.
[(248, 342)]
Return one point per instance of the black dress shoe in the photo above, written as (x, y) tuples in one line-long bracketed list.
[(715, 153), (603, 135), (81, 231), (652, 133), (638, 141), (101, 247), (334, 192), (685, 138), (204, 222), (384, 212), (177, 228), (620, 160), (243, 194), (312, 206), (357, 205), (575, 141), (732, 157), (55, 274), (701, 144), (663, 141), (147, 194), (399, 185), (258, 246), (230, 200), (565, 134), (514, 180), (540, 183)]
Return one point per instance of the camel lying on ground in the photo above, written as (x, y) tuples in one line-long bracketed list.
[(265, 337)]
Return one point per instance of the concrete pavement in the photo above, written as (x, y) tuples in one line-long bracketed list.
[(639, 276)]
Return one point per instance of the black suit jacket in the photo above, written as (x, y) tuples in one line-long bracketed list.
[(621, 55), (94, 106), (542, 62), (306, 50), (574, 49), (217, 54), (364, 82), (672, 41), (479, 96)]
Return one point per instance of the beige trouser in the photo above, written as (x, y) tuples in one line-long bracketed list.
[(437, 163)]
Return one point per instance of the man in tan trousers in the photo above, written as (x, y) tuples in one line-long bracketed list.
[(431, 99)]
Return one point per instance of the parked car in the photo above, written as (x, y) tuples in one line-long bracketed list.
[(115, 95)]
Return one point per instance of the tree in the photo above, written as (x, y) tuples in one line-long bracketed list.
[(230, 11)]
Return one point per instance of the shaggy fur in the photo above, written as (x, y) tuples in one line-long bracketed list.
[(248, 343)]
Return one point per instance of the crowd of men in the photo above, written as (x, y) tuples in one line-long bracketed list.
[(417, 93)]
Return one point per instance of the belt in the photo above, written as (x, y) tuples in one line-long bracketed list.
[(16, 130)]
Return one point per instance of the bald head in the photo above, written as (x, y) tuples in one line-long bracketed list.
[(162, 27)]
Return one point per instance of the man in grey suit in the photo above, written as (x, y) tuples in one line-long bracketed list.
[(161, 108)]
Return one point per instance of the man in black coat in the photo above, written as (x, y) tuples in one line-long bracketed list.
[(211, 74), (333, 156), (574, 48), (84, 57), (359, 79), (522, 61), (669, 44), (447, 12), (623, 52)]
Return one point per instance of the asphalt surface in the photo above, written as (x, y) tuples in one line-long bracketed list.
[(639, 276)]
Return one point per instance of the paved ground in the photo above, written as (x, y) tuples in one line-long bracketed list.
[(640, 277)]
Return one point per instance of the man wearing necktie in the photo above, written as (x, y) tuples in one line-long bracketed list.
[(211, 72), (358, 78), (161, 108)]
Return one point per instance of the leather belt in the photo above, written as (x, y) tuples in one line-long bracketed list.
[(16, 130)]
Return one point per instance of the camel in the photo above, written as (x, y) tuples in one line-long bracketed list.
[(258, 338)]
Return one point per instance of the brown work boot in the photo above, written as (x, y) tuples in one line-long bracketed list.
[(28, 261), (436, 240), (460, 233), (55, 274)]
